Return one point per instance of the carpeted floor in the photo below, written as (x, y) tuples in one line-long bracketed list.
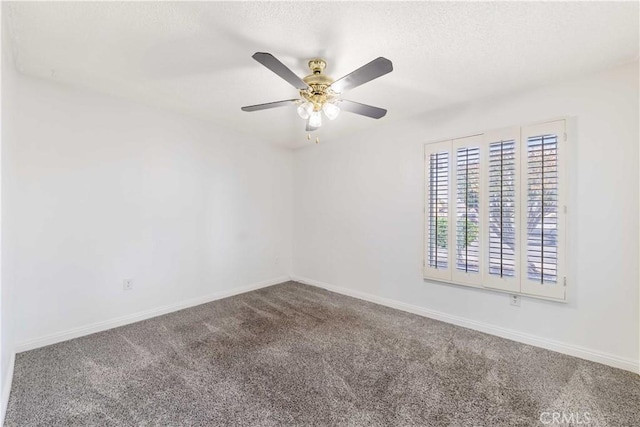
[(292, 354)]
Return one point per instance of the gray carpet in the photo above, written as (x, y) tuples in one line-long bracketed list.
[(292, 354)]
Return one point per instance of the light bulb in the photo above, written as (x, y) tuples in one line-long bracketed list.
[(305, 109), (315, 119), (331, 110)]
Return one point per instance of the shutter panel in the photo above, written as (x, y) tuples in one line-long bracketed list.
[(502, 211), (438, 232), (543, 210), (439, 209), (467, 188)]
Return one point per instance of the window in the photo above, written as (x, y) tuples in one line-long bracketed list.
[(495, 210)]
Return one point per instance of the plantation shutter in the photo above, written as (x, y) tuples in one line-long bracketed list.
[(495, 210), (437, 263), (543, 214), (467, 187), (502, 210)]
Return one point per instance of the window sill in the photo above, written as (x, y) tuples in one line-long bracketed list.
[(501, 291)]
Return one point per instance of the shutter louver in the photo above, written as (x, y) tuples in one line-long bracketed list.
[(438, 229), (468, 209), (502, 208), (542, 209)]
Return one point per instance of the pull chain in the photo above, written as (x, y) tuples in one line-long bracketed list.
[(317, 138)]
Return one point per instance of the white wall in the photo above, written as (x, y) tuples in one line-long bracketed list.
[(358, 220), (97, 189), (6, 322)]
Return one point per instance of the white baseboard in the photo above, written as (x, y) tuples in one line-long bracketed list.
[(6, 389), (136, 317), (560, 347)]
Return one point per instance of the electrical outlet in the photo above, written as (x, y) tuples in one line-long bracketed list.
[(515, 300), (127, 284)]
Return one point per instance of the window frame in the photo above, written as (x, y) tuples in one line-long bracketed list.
[(519, 284)]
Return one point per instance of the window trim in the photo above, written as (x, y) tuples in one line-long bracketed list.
[(522, 286)]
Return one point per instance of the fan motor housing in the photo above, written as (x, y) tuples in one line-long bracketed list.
[(318, 92)]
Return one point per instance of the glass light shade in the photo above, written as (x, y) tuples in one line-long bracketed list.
[(331, 110), (315, 119), (305, 110)]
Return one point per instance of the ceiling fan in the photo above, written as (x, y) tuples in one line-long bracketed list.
[(320, 93)]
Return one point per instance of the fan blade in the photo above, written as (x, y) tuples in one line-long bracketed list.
[(272, 63), (310, 128), (269, 105), (362, 109), (374, 69)]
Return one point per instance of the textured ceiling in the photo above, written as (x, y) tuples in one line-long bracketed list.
[(196, 57)]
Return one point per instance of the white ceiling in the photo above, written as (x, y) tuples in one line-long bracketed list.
[(195, 57)]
